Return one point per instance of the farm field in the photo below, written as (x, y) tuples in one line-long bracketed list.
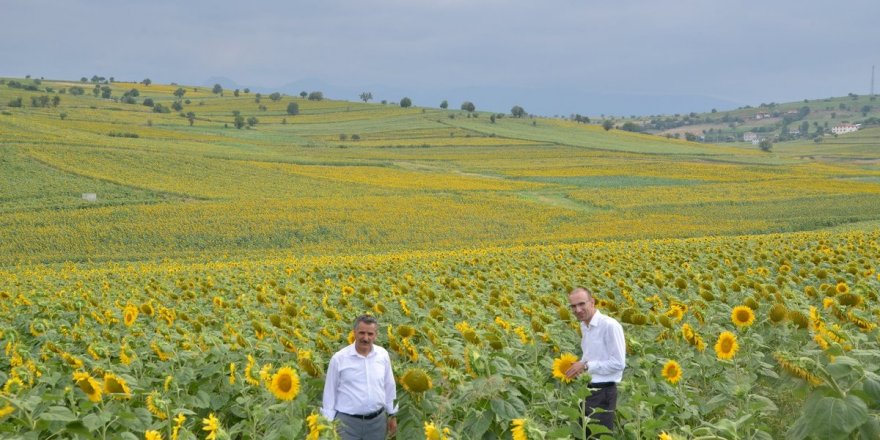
[(214, 257)]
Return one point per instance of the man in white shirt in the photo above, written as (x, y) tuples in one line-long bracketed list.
[(604, 356), (359, 389)]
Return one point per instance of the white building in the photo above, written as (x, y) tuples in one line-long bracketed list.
[(750, 136), (844, 128)]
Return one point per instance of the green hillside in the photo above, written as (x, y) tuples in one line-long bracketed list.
[(178, 178)]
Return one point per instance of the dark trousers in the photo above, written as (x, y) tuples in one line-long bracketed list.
[(605, 398)]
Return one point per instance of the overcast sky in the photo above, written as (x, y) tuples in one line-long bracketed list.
[(742, 52)]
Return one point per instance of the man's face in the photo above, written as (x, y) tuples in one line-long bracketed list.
[(364, 336), (582, 305)]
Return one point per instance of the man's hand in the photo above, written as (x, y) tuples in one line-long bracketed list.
[(392, 426), (575, 370)]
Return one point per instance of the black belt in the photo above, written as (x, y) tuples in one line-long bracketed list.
[(369, 416), (601, 384)]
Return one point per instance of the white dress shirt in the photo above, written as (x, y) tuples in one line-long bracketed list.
[(359, 385), (604, 348)]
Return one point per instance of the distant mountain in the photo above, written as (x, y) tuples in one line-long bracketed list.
[(544, 101)]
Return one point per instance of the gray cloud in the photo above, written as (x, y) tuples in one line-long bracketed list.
[(744, 52)]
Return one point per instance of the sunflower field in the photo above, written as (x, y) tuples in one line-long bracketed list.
[(743, 337), (201, 293)]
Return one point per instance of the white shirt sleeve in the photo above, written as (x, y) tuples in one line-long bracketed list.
[(328, 406), (390, 388)]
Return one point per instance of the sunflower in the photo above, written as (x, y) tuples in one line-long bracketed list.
[(89, 385), (285, 384), (672, 371), (152, 435), (116, 385), (431, 432), (742, 316), (842, 288), (6, 410), (129, 315), (726, 346), (211, 424), (562, 364), (519, 429), (152, 408), (416, 380), (664, 436), (778, 313)]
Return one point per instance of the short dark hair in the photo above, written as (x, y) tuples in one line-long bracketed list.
[(366, 319)]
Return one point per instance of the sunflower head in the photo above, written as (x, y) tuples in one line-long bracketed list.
[(562, 364), (285, 384), (518, 429), (431, 431), (416, 380), (129, 315), (88, 385), (117, 386), (778, 313), (672, 371), (841, 288), (406, 331), (726, 347), (742, 316), (849, 299)]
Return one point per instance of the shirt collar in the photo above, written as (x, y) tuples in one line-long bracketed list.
[(353, 351), (594, 321)]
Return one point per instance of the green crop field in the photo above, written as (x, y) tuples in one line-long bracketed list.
[(213, 255)]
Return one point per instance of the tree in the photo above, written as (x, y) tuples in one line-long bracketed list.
[(275, 97), (217, 90), (246, 90), (148, 102), (239, 121), (405, 102), (492, 118), (146, 82), (251, 121), (444, 105), (258, 97), (105, 92), (303, 94), (177, 106), (366, 96), (179, 92), (468, 106), (517, 111), (765, 145), (235, 93), (56, 100), (191, 117), (76, 90), (315, 96), (607, 124), (631, 126), (293, 109)]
